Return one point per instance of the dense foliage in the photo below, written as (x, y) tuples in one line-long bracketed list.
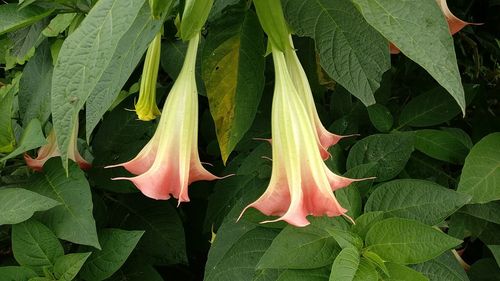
[(211, 94)]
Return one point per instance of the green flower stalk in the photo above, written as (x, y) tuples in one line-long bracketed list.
[(146, 107)]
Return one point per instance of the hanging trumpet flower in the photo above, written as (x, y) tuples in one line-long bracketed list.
[(301, 184), (170, 161), (51, 150), (146, 107)]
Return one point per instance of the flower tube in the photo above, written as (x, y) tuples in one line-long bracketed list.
[(301, 184), (170, 161), (51, 150), (146, 107), (299, 78)]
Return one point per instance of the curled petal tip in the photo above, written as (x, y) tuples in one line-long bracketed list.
[(263, 139), (348, 218)]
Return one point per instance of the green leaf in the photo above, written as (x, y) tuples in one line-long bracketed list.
[(495, 250), (18, 205), (68, 266), (406, 241), (381, 117), (399, 272), (420, 200), (72, 220), (136, 271), (11, 18), (238, 246), (376, 260), (390, 152), (316, 274), (16, 273), (366, 271), (484, 269), (233, 71), (433, 107), (220, 7), (7, 92), (124, 57), (161, 223), (487, 211), (58, 24), (300, 248), (194, 15), (32, 138), (34, 87), (366, 221), (35, 246), (116, 246), (350, 50), (419, 29), (441, 145), (481, 171), (25, 40), (444, 267), (345, 265), (84, 61)]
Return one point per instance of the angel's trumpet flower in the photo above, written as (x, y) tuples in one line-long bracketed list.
[(170, 161), (51, 150), (299, 78), (301, 184), (146, 107), (454, 24)]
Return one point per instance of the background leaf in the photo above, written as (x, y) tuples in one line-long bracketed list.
[(32, 138), (481, 171), (18, 205), (35, 246), (233, 72), (442, 145), (420, 200), (444, 267), (419, 30), (350, 51), (72, 220), (389, 152), (11, 18), (405, 241), (67, 267), (116, 245)]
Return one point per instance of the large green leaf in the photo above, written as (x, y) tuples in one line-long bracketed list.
[(420, 200), (122, 62), (407, 241), (7, 92), (18, 205), (72, 220), (32, 138), (351, 51), (444, 267), (399, 272), (67, 267), (366, 271), (35, 246), (481, 171), (488, 211), (233, 72), (345, 265), (389, 152), (12, 18), (164, 239), (300, 248), (88, 63), (116, 246), (433, 107), (316, 274), (34, 87), (419, 29), (16, 273), (442, 145)]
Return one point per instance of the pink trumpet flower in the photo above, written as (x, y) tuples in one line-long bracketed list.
[(301, 184), (51, 150), (454, 24), (299, 78), (170, 161)]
